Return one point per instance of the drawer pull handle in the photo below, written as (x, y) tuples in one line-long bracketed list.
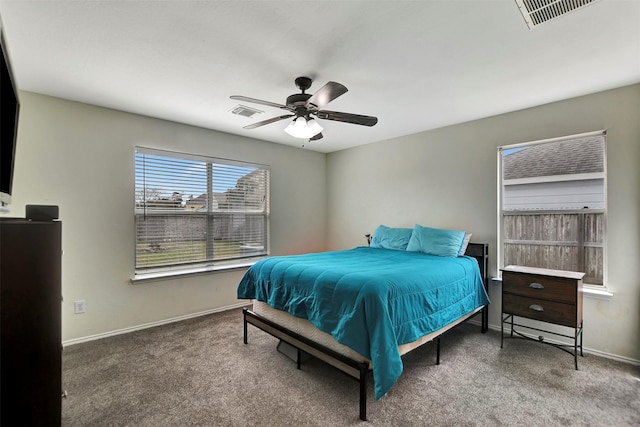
[(535, 285), (536, 307)]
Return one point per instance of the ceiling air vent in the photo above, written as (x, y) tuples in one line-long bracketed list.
[(536, 12), (245, 111)]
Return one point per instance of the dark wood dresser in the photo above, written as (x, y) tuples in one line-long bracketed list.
[(551, 296), (31, 294)]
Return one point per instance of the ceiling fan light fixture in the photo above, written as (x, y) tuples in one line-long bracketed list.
[(314, 127), (296, 127), (300, 128)]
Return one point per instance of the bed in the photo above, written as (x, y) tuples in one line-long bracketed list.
[(361, 309)]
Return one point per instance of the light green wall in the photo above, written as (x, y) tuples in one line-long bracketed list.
[(81, 158), (448, 178)]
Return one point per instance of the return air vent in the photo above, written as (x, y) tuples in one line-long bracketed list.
[(536, 12), (245, 111)]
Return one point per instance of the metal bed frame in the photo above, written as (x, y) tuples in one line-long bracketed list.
[(355, 368)]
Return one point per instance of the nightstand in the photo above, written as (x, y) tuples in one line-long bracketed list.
[(551, 296)]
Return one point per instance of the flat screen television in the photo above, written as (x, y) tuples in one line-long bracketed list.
[(8, 126)]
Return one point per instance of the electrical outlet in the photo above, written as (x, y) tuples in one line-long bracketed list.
[(79, 306)]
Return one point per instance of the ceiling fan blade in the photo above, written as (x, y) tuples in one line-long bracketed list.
[(257, 101), (326, 94), (268, 121), (355, 119), (316, 137)]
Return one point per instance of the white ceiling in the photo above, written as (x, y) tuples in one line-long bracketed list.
[(416, 65)]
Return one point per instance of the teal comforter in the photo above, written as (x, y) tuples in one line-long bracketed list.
[(369, 299)]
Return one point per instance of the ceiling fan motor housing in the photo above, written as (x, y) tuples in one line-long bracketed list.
[(297, 102), (297, 99)]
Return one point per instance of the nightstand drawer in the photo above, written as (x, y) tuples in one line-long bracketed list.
[(541, 287), (539, 309)]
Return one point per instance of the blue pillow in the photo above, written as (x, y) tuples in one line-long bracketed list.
[(391, 238), (436, 241)]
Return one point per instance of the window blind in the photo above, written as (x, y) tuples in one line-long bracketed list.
[(193, 210)]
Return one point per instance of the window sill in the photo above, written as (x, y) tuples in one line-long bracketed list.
[(589, 291), (175, 274), (597, 292)]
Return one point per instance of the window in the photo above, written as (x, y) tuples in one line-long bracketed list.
[(195, 213), (553, 204)]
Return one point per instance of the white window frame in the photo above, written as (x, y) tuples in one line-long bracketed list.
[(210, 213), (593, 290)]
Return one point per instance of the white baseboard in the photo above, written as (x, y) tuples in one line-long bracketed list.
[(584, 349), (244, 304), (151, 325)]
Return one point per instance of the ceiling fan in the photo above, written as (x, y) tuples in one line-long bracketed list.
[(303, 107)]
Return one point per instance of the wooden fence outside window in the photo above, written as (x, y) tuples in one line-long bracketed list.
[(571, 241)]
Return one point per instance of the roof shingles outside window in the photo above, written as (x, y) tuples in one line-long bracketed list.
[(577, 156)]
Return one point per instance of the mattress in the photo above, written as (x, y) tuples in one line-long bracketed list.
[(306, 329)]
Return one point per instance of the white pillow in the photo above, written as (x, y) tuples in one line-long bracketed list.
[(465, 243)]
